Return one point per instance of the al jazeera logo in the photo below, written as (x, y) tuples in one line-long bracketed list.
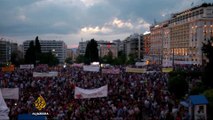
[(40, 104)]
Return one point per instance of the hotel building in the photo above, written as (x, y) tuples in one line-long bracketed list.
[(180, 38)]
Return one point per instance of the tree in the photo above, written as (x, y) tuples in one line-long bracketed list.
[(208, 70), (16, 58), (30, 54), (177, 84), (37, 48), (91, 54), (209, 96), (33, 52), (132, 58), (48, 58), (68, 60), (121, 59), (37, 45), (108, 58), (80, 59)]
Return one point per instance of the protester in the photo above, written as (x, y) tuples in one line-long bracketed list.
[(130, 95)]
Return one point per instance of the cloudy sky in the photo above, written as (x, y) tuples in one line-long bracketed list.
[(73, 20)]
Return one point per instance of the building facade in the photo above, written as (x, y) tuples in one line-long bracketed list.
[(103, 48), (157, 40), (82, 47), (106, 47), (5, 51), (119, 44), (71, 54), (179, 39), (146, 44), (58, 48), (132, 45)]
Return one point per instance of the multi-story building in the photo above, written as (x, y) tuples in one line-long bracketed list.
[(189, 29), (71, 54), (132, 45), (180, 38), (159, 36), (103, 47), (106, 47), (146, 44), (5, 51), (58, 48), (119, 44), (82, 47)]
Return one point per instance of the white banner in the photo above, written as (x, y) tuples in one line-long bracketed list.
[(111, 71), (4, 110), (10, 93), (27, 66), (140, 64), (45, 74), (77, 65), (135, 70), (81, 93), (91, 68)]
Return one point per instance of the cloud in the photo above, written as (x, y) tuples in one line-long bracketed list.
[(117, 26), (121, 24), (22, 18), (96, 29), (74, 19), (89, 3)]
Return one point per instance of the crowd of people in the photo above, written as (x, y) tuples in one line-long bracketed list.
[(131, 96)]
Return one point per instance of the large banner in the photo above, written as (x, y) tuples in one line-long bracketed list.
[(77, 65), (135, 70), (10, 93), (140, 63), (91, 68), (45, 74), (111, 71), (4, 110), (81, 93), (27, 66), (10, 68), (166, 70)]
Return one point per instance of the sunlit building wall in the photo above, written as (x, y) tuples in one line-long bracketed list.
[(146, 43), (189, 29), (180, 38)]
